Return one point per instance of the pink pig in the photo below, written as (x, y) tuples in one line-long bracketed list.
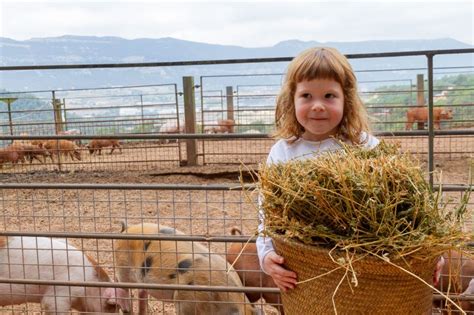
[(42, 258)]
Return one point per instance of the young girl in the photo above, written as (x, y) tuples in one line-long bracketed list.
[(318, 106)]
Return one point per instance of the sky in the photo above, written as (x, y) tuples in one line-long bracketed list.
[(258, 23)]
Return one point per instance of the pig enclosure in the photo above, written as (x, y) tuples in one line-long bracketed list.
[(146, 184), (151, 181)]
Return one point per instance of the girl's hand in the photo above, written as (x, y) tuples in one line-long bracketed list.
[(284, 279)]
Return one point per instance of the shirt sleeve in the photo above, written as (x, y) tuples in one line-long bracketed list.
[(264, 243), (371, 141), (277, 153)]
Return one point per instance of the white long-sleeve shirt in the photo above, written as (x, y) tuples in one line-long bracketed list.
[(283, 151)]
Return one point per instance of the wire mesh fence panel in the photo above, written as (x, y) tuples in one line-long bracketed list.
[(100, 155), (126, 109), (53, 218), (248, 100), (236, 151), (457, 271), (93, 111), (160, 221), (26, 113), (396, 99), (102, 158)]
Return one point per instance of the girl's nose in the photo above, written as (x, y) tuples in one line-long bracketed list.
[(317, 106)]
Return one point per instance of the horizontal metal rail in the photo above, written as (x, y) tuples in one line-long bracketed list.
[(385, 105), (228, 61), (144, 136), (145, 237), (21, 111), (425, 133), (112, 121), (225, 136), (101, 120), (129, 285), (95, 88), (122, 236), (133, 186)]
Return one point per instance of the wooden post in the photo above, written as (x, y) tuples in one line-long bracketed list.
[(58, 118), (9, 101), (57, 126), (190, 120), (230, 102), (420, 97)]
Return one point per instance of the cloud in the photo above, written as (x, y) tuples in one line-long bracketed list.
[(250, 24)]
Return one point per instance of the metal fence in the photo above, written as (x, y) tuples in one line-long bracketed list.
[(249, 103), (95, 111), (158, 153), (88, 217), (67, 236)]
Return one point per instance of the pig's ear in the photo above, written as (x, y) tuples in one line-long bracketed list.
[(438, 269), (117, 296), (470, 288)]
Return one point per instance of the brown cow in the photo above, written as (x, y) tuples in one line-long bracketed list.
[(96, 145), (420, 114)]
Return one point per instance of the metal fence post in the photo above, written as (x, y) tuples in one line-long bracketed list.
[(430, 120), (142, 129)]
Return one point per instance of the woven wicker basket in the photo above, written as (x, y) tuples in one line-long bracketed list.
[(382, 288)]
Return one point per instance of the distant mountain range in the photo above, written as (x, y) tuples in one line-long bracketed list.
[(87, 49)]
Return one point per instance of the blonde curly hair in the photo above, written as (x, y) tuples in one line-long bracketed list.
[(321, 63)]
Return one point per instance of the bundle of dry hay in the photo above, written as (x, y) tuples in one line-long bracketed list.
[(374, 202)]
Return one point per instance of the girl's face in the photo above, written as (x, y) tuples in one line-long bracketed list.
[(319, 107)]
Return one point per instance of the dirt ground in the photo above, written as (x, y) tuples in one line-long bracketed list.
[(193, 211), (453, 157)]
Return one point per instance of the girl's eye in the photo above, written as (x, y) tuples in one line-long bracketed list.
[(329, 95), (305, 95)]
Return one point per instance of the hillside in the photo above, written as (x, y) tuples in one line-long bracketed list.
[(84, 49)]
